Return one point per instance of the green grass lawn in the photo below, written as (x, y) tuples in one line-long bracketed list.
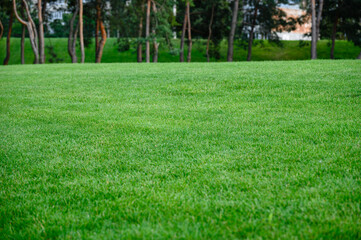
[(290, 50), (181, 151)]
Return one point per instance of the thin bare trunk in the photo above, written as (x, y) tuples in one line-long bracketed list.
[(250, 41), (75, 36), (81, 34), (233, 30), (41, 34), (189, 33), (33, 34), (244, 10), (181, 50), (155, 55), (209, 33), (103, 32), (140, 33), (22, 44), (147, 26), (334, 30), (36, 41), (72, 36), (314, 31), (140, 45), (1, 30), (169, 43), (11, 20), (97, 32), (155, 43), (319, 16), (45, 2)]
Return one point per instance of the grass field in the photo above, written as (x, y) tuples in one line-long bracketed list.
[(183, 151), (290, 50)]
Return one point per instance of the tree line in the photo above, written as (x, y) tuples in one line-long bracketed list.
[(149, 23)]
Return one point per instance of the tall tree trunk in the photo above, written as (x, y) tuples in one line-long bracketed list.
[(44, 2), (181, 50), (1, 30), (169, 43), (250, 41), (209, 33), (33, 33), (244, 10), (140, 33), (22, 45), (81, 33), (75, 59), (140, 45), (147, 26), (41, 33), (44, 6), (155, 55), (232, 32), (334, 30), (72, 36), (97, 23), (36, 42), (155, 43), (103, 32), (11, 20), (319, 16), (314, 31), (189, 33), (22, 41)]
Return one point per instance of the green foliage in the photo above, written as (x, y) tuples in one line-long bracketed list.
[(52, 56), (270, 19), (302, 44), (351, 22), (60, 30), (161, 21), (5, 8), (221, 21), (123, 18), (123, 44), (201, 12), (260, 150), (347, 13)]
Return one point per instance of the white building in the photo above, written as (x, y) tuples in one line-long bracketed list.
[(294, 11)]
